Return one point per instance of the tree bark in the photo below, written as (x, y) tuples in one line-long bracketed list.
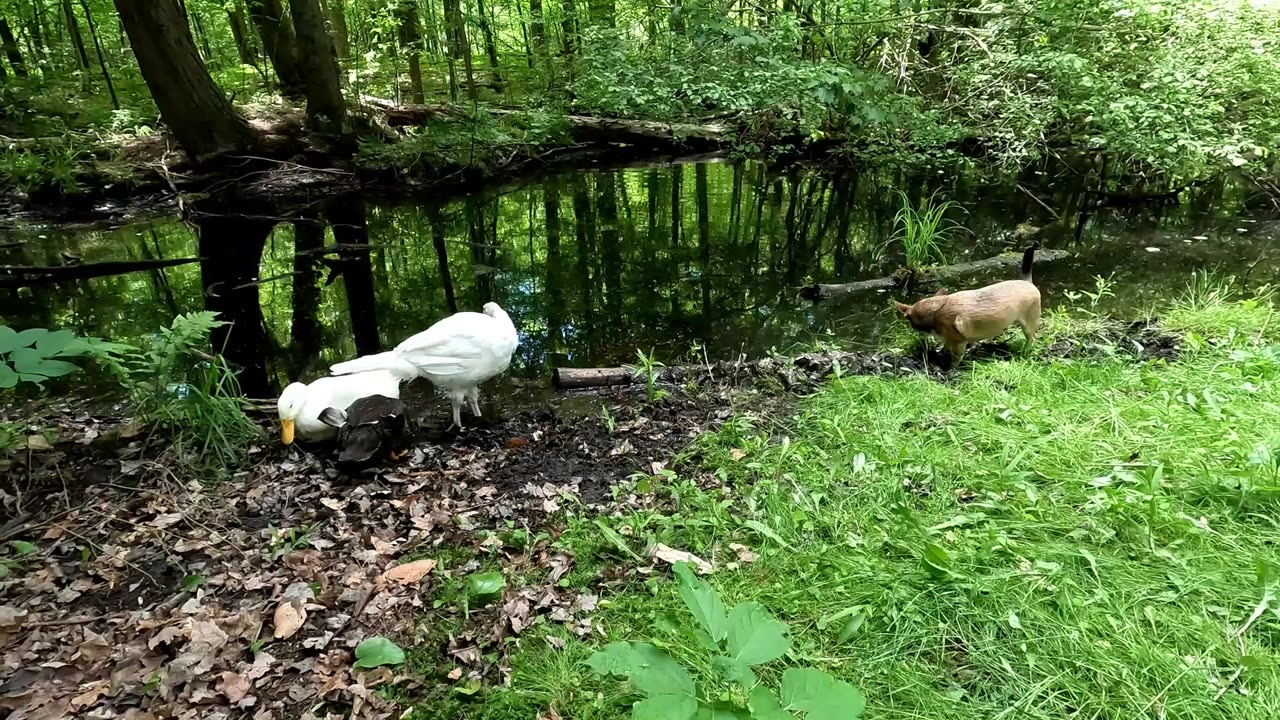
[(569, 26), (279, 43), (231, 248), (325, 106), (73, 29), (338, 28), (537, 27), (196, 111), (102, 60), (439, 242), (350, 228), (603, 12), (490, 46), (305, 329), (453, 42), (11, 49), (235, 18), (411, 41), (611, 248), (555, 293)]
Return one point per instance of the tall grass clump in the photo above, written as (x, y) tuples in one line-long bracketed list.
[(189, 396), (921, 230)]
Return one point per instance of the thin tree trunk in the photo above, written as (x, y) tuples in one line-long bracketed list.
[(11, 49), (490, 47), (194, 109), (432, 36), (325, 106), (305, 329), (538, 28), (569, 26), (102, 60), (235, 18), (347, 216), (338, 27), (453, 41), (472, 89), (585, 231), (280, 45), (411, 41), (73, 29), (439, 242), (524, 34), (203, 36), (603, 12), (231, 248), (611, 248), (704, 238), (555, 294)]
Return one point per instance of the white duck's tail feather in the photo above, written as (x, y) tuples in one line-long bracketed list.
[(391, 362)]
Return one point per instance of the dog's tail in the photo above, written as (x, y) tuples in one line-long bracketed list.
[(1028, 257)]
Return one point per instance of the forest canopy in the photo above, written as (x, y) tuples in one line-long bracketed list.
[(1176, 90)]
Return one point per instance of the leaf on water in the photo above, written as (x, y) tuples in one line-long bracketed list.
[(768, 532), (378, 651), (485, 585), (616, 540), (755, 636), (703, 602), (288, 619), (670, 555), (820, 696), (410, 573)]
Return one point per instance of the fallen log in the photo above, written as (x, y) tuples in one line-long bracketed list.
[(932, 276), (585, 127), (23, 275), (576, 378)]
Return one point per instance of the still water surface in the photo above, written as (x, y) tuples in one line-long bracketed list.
[(691, 261)]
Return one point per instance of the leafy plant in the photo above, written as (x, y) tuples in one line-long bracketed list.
[(739, 639), (36, 354), (378, 651), (921, 230), (647, 368)]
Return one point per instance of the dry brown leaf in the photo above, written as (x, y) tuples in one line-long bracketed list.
[(455, 673), (670, 555), (200, 651), (235, 686), (288, 619), (38, 443), (410, 573), (736, 454), (744, 553), (11, 616)]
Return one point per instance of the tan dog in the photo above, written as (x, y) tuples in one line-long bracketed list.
[(971, 315)]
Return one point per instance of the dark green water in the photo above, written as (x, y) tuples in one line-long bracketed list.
[(685, 260)]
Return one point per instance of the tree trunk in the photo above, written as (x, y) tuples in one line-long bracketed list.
[(704, 239), (538, 28), (11, 49), (350, 228), (325, 106), (555, 293), (102, 60), (231, 248), (305, 330), (569, 26), (490, 46), (235, 18), (439, 242), (338, 28), (585, 232), (611, 248), (453, 41), (411, 41), (279, 43), (198, 27), (603, 12), (73, 29), (472, 90), (193, 107)]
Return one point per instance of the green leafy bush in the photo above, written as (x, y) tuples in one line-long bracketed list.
[(36, 354), (738, 639)]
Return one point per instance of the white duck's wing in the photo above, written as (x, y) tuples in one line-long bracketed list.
[(340, 391), (462, 343)]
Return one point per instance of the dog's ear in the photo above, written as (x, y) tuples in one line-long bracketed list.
[(902, 307), (941, 291)]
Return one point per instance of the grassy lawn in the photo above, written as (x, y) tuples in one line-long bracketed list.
[(1033, 539)]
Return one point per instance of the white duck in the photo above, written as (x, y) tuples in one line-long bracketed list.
[(300, 405), (456, 355)]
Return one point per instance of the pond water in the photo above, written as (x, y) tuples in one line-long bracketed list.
[(690, 261)]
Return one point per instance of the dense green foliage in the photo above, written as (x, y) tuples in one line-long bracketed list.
[(1180, 89)]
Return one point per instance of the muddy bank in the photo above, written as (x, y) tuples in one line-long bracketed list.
[(128, 592)]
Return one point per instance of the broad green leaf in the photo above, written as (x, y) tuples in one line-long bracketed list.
[(485, 585), (768, 532), (27, 360), (22, 547), (703, 602), (936, 560), (55, 342), (765, 706), (191, 582), (755, 636), (30, 336), (720, 711), (8, 339), (820, 696), (735, 671), (56, 368), (378, 651), (665, 707), (615, 659), (616, 540), (8, 378), (654, 672)]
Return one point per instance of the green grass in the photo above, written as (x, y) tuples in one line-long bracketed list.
[(1094, 530), (920, 230)]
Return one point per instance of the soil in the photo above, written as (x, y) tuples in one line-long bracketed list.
[(131, 592)]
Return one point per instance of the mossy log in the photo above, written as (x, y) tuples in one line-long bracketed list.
[(931, 276)]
